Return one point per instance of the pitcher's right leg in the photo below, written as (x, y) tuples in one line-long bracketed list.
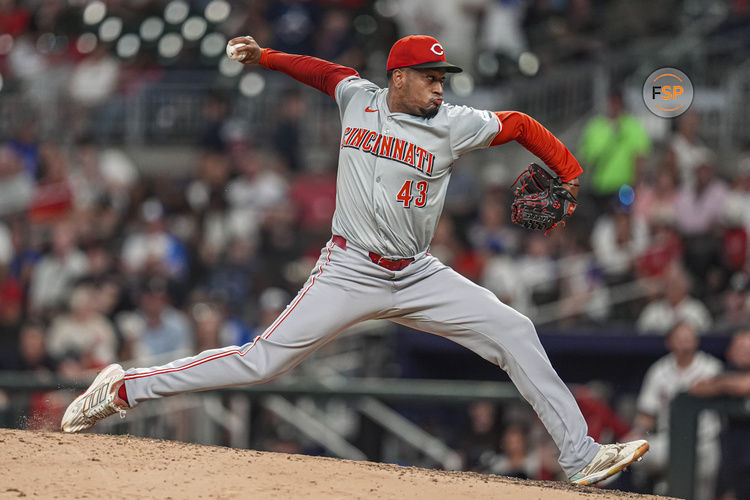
[(323, 308), (326, 305)]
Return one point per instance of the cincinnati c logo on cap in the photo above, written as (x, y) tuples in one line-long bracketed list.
[(437, 49)]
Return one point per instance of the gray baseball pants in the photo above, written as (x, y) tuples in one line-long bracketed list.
[(346, 287)]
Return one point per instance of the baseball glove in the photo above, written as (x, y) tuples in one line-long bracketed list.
[(539, 200)]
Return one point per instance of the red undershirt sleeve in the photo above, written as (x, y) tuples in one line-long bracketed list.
[(317, 73), (529, 133)]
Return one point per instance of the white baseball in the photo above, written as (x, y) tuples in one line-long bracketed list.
[(232, 54)]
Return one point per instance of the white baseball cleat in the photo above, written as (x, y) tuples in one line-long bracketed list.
[(611, 459), (98, 402)]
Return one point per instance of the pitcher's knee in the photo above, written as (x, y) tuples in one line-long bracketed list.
[(515, 324)]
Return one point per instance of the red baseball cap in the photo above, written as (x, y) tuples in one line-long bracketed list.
[(419, 51)]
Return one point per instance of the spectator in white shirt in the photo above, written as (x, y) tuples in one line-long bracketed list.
[(83, 339), (56, 271), (658, 317), (677, 372)]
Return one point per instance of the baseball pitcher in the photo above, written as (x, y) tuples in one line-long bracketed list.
[(398, 145)]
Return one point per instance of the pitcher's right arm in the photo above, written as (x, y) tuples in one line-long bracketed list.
[(317, 73)]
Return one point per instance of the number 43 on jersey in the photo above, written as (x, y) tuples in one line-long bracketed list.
[(419, 197)]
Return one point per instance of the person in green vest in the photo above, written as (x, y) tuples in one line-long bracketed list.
[(610, 145)]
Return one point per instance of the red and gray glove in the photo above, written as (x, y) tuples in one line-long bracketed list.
[(539, 200)]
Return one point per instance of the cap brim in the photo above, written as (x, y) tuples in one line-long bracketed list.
[(450, 68)]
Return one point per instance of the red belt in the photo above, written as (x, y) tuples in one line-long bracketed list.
[(390, 264)]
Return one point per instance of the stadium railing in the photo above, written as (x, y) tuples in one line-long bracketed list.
[(228, 410), (683, 429)]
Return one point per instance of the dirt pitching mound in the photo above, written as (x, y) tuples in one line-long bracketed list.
[(56, 465)]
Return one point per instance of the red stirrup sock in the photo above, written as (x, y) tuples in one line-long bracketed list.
[(123, 394)]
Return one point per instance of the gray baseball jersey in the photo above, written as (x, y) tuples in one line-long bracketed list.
[(394, 168), (393, 174)]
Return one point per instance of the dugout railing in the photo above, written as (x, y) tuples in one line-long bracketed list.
[(368, 394), (227, 410), (683, 437)]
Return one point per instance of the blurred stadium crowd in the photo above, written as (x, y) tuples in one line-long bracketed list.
[(104, 259)]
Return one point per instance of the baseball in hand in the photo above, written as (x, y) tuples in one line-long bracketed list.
[(232, 53)]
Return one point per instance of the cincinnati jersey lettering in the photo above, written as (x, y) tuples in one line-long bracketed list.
[(386, 146)]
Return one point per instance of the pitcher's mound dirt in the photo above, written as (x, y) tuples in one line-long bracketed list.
[(56, 465)]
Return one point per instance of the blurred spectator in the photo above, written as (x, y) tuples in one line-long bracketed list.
[(112, 298), (676, 306), (99, 175), (25, 145), (6, 248), (82, 339), (14, 18), (287, 135), (500, 276), (465, 188), (93, 81), (251, 196), (700, 205), (584, 295), (11, 317), (25, 256), (686, 151), (736, 219), (160, 328), (605, 425), (57, 270), (491, 233), (53, 199), (205, 197), (44, 407), (617, 239), (333, 34), (736, 303), (293, 24), (32, 351), (734, 478), (501, 30), (444, 245), (517, 458), (215, 114), (100, 259), (655, 200), (479, 443), (450, 249), (455, 25), (610, 145), (738, 202), (272, 303), (153, 250), (233, 276), (699, 208), (279, 251), (537, 269), (16, 188), (313, 193), (665, 249), (208, 323), (676, 372)]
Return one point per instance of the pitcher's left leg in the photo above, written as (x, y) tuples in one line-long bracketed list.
[(447, 304)]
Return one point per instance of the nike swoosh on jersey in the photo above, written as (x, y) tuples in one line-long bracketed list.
[(368, 109)]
